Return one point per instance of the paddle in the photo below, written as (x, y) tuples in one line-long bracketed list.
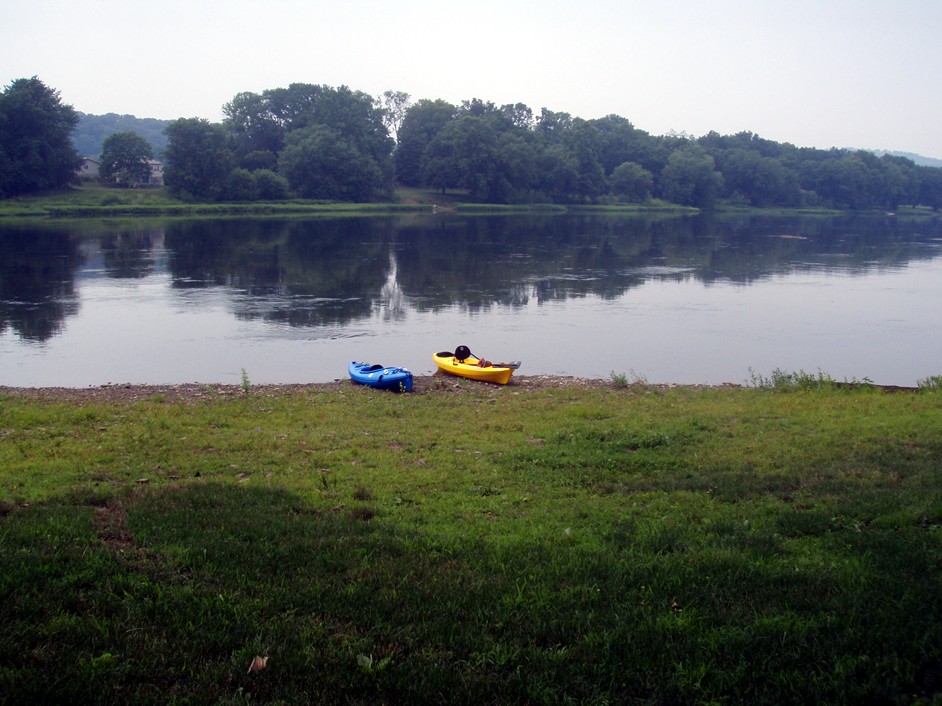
[(513, 365)]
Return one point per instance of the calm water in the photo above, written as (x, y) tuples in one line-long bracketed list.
[(686, 300)]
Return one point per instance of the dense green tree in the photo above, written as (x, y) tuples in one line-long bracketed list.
[(320, 163), (556, 172), (843, 181), (518, 115), (585, 144), (352, 114), (631, 182), (760, 181), (270, 186), (930, 187), (198, 160), (421, 123), (553, 125), (901, 181), (481, 153), (261, 126), (124, 158), (254, 128), (713, 142), (459, 155), (260, 159), (619, 142), (36, 151), (240, 186), (689, 178)]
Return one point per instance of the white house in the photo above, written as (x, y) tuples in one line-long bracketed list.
[(156, 177), (90, 167)]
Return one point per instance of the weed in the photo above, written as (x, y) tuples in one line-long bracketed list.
[(933, 383), (623, 380), (246, 385), (784, 380), (362, 493)]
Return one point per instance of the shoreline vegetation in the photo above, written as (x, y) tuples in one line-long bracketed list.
[(556, 540), (92, 200)]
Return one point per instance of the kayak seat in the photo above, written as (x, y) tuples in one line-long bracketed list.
[(374, 367), (445, 354)]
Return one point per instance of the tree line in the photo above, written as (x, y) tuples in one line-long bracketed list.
[(335, 143)]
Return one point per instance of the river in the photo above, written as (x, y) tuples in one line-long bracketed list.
[(674, 299)]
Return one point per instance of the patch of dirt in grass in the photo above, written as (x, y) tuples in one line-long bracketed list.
[(111, 524)]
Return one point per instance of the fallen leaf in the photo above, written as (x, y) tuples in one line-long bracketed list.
[(258, 664)]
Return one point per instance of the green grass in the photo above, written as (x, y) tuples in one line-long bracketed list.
[(474, 545), (90, 199), (94, 200)]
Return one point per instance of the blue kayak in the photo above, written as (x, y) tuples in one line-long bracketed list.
[(381, 377)]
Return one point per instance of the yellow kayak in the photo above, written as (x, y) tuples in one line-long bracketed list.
[(474, 368)]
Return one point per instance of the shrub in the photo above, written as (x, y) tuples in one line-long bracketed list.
[(270, 186), (241, 186)]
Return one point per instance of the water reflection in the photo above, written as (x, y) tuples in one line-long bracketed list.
[(37, 282), (309, 273), (684, 297)]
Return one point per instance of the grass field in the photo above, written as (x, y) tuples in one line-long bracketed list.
[(94, 200), (472, 545)]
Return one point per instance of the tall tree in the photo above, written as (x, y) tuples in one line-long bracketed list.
[(553, 125), (632, 182), (689, 177), (930, 187), (198, 160), (482, 153), (585, 143), (620, 142), (762, 181), (421, 123), (36, 151), (257, 134), (124, 158), (556, 172), (394, 105), (320, 163)]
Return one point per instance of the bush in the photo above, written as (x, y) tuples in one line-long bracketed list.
[(241, 185), (270, 186)]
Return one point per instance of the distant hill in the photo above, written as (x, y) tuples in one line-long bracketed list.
[(92, 130), (917, 158)]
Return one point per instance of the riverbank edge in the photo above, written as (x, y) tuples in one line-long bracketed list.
[(98, 201), (422, 385)]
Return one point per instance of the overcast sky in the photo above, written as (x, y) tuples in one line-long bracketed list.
[(816, 73)]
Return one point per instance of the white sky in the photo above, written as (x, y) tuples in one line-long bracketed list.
[(816, 73)]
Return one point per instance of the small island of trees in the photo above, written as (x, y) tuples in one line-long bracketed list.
[(337, 144)]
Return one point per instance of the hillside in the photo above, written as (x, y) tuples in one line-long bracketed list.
[(917, 158), (92, 130)]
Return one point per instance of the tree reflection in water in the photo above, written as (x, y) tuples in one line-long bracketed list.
[(310, 274)]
